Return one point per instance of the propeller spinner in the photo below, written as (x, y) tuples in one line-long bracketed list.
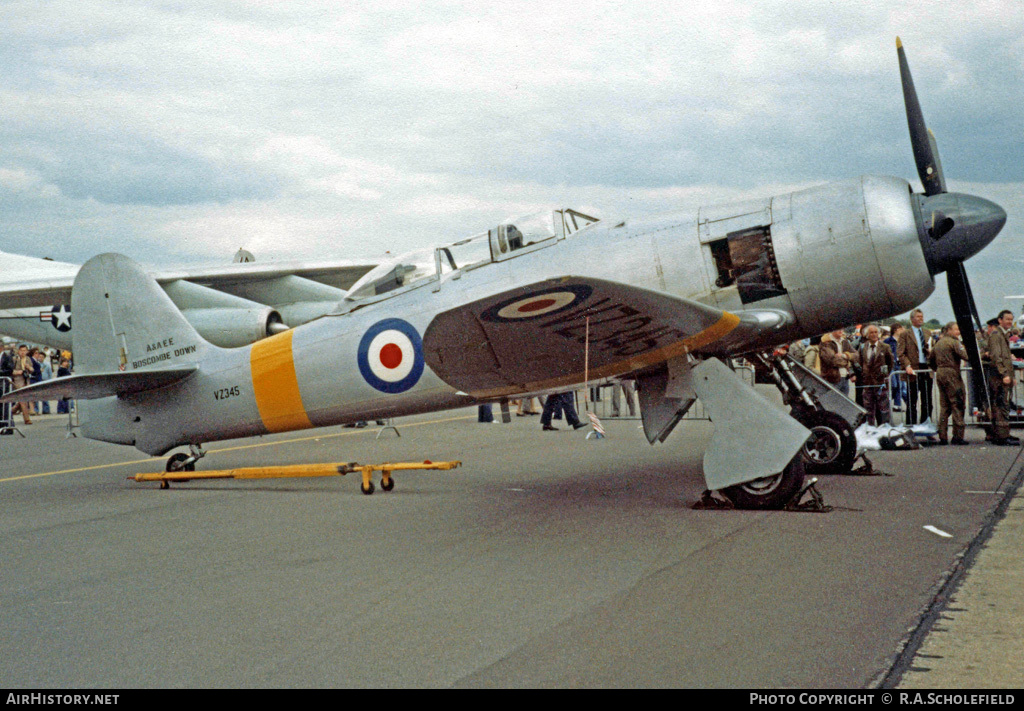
[(954, 226)]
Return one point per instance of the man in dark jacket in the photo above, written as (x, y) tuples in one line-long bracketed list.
[(1000, 381)]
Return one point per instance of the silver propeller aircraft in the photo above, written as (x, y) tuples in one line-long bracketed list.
[(542, 304)]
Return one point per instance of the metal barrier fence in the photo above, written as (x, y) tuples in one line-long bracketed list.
[(6, 418), (603, 400), (974, 413)]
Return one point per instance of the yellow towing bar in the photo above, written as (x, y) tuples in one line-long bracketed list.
[(387, 482)]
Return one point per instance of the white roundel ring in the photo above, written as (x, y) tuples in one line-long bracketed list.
[(390, 356), (538, 304)]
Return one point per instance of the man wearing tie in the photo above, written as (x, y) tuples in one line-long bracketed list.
[(876, 363), (912, 349)]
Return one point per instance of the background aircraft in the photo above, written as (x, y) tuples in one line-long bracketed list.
[(229, 305), (533, 307)]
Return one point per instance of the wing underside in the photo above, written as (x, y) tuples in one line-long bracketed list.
[(559, 332)]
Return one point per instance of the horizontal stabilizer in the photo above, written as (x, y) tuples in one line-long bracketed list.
[(96, 385)]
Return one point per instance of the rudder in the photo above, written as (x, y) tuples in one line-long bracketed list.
[(124, 320)]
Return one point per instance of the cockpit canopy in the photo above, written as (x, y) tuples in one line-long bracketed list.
[(507, 240)]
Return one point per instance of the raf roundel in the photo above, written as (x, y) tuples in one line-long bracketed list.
[(537, 304), (390, 355)]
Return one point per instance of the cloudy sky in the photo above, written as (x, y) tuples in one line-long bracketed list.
[(177, 132)]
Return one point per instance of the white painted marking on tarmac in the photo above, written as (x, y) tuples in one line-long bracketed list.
[(938, 531)]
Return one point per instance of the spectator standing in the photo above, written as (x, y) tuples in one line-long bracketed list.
[(837, 358), (23, 370), (877, 362), (945, 359), (1000, 382), (63, 371), (912, 348), (44, 372)]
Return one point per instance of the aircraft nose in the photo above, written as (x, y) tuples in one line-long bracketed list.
[(956, 226)]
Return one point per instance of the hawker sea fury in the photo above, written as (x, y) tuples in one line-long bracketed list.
[(540, 305)]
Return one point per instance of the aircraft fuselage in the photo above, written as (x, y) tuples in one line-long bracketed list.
[(826, 257)]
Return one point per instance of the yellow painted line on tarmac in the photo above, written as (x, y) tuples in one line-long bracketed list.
[(232, 449)]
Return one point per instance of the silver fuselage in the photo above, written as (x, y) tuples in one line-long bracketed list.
[(841, 253)]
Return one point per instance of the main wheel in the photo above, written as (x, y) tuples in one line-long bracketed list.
[(832, 446), (770, 492), (175, 463)]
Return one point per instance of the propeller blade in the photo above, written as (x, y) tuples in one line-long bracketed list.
[(967, 319), (925, 153)]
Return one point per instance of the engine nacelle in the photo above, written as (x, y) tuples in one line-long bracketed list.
[(857, 240), (832, 256), (231, 327)]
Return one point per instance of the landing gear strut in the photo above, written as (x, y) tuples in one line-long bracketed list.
[(831, 417)]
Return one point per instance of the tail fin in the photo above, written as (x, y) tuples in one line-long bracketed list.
[(124, 321)]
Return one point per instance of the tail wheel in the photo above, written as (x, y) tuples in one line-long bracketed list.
[(176, 461), (770, 492), (832, 446)]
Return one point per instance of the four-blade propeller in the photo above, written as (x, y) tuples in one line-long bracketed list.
[(955, 225)]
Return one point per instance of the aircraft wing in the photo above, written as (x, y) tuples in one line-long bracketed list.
[(231, 304), (554, 333), (25, 288)]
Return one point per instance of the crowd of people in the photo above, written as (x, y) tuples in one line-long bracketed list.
[(895, 368), (23, 366)]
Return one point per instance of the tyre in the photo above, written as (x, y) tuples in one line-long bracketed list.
[(770, 492), (832, 446), (174, 463)]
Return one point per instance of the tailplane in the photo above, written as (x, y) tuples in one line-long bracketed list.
[(129, 336)]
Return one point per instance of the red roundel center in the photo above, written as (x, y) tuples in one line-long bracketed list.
[(535, 305), (390, 356)]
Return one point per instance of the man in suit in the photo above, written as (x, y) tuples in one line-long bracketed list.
[(1000, 381), (876, 362), (912, 349)]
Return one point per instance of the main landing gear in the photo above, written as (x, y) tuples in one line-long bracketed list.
[(828, 414), (832, 446), (770, 492)]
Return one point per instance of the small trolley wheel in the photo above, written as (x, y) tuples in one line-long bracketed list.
[(165, 485), (367, 489), (387, 485)]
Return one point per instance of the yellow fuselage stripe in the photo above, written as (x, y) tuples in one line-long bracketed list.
[(276, 385)]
